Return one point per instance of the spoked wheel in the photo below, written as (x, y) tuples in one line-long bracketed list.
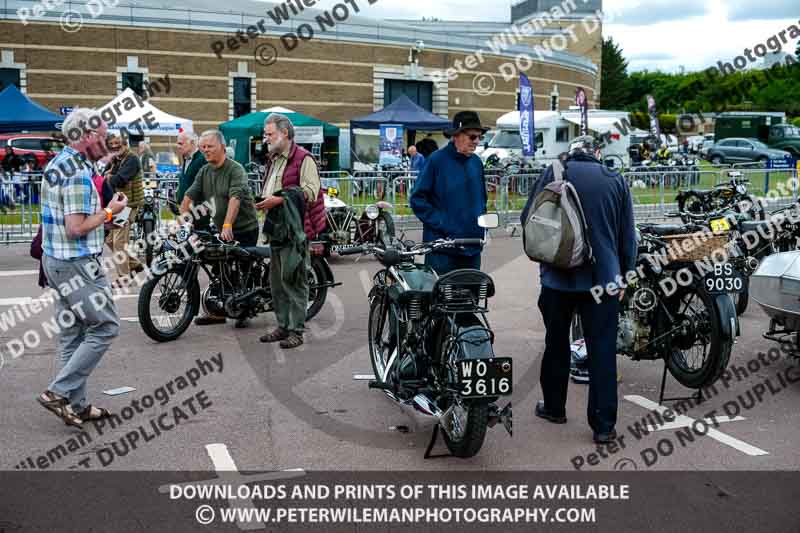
[(167, 305), (316, 293), (700, 352), (382, 341), (464, 427)]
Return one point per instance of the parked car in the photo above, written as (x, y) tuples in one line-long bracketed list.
[(741, 150), (485, 140), (26, 145), (768, 127)]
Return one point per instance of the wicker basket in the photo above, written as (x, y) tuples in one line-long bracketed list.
[(691, 247)]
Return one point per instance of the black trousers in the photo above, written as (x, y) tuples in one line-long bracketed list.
[(599, 323)]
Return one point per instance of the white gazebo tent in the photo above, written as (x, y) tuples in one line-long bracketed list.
[(128, 108)]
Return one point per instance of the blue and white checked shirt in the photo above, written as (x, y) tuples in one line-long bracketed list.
[(69, 191)]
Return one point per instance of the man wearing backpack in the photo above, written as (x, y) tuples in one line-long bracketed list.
[(609, 231)]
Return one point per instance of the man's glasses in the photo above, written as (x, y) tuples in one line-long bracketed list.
[(474, 137)]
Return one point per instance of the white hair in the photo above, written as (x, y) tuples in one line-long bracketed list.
[(190, 136), (214, 133), (78, 122)]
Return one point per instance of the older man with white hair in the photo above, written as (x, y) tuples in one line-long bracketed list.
[(72, 241), (192, 161), (223, 181)]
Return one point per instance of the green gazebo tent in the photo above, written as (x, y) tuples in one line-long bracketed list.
[(251, 126)]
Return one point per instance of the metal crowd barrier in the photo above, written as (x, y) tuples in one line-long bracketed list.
[(653, 193)]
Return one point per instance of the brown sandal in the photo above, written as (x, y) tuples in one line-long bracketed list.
[(276, 335), (94, 413), (292, 341), (59, 406)]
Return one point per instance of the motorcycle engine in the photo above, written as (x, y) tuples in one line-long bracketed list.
[(633, 332), (212, 301)]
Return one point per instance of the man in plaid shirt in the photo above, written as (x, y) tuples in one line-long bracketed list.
[(72, 241)]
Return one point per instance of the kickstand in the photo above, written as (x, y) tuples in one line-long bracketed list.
[(432, 443), (696, 397)]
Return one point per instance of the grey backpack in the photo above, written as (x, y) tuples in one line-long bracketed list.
[(554, 231)]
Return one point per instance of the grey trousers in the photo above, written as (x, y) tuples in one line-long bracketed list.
[(88, 322)]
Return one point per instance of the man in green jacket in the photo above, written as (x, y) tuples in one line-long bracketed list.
[(223, 182)]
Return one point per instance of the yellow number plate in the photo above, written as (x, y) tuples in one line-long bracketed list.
[(720, 224)]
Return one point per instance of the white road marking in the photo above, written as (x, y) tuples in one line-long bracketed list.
[(709, 421), (366, 281), (686, 421), (12, 273), (229, 474), (10, 302)]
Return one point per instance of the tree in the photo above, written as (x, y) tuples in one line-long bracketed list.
[(614, 84)]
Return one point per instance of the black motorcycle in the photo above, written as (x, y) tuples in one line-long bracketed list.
[(147, 219), (239, 286), (677, 311), (729, 195), (431, 346)]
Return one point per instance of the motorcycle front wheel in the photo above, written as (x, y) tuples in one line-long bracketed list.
[(167, 304), (700, 350)]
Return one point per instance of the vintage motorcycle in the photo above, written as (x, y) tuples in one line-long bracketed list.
[(147, 219), (345, 229), (239, 286), (431, 346), (731, 194), (677, 312)]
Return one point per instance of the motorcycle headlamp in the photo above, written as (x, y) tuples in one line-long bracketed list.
[(372, 212), (148, 199)]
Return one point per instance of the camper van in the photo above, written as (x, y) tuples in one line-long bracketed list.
[(555, 130)]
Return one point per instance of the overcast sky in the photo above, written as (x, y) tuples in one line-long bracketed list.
[(654, 34)]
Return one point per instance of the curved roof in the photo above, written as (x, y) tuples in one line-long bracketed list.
[(233, 15)]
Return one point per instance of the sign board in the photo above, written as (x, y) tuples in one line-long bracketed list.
[(65, 110), (788, 163), (526, 126), (391, 147), (308, 135)]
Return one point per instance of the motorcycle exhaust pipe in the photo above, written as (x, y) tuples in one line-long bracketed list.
[(422, 411), (426, 406)]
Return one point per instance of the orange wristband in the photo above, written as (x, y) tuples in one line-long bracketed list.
[(227, 226)]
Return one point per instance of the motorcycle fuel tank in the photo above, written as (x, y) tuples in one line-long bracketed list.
[(775, 286)]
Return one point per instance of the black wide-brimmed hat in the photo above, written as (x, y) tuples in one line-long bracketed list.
[(465, 120)]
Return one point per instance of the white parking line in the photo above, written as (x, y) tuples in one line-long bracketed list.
[(229, 475), (677, 425), (26, 300), (686, 421), (12, 273)]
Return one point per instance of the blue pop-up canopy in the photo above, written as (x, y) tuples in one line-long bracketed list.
[(18, 113), (402, 111)]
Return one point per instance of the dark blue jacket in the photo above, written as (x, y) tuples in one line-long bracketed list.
[(449, 196), (607, 204)]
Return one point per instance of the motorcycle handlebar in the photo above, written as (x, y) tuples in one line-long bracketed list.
[(352, 251)]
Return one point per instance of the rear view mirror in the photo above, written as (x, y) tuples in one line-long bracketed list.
[(489, 220)]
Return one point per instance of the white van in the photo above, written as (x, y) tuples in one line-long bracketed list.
[(556, 129)]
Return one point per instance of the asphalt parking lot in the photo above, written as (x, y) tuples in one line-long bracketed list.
[(233, 402)]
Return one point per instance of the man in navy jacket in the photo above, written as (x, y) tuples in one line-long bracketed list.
[(606, 202), (450, 195)]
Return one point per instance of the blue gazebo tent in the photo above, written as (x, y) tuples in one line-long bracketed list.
[(20, 113)]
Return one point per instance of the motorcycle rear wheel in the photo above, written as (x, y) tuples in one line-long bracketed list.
[(707, 326), (316, 296), (474, 435)]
